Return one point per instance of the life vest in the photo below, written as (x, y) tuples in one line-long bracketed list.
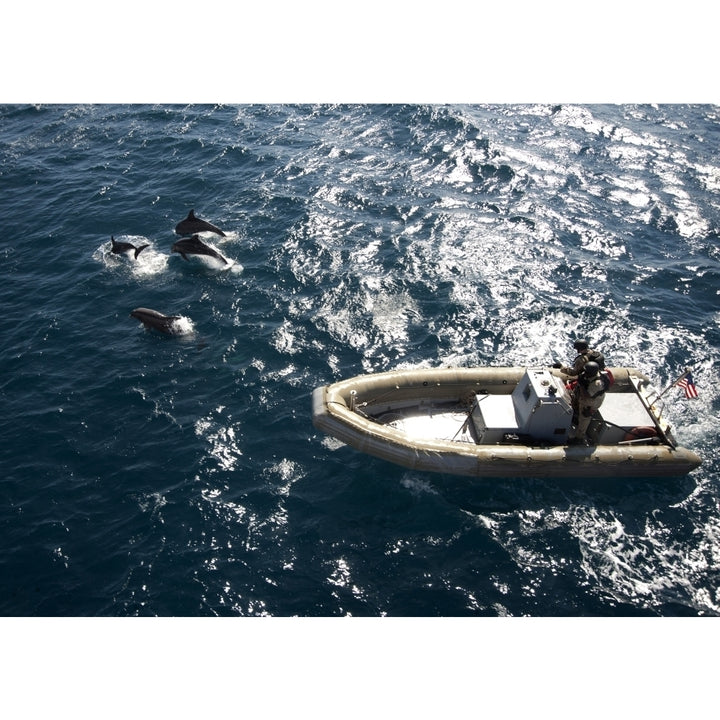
[(606, 378)]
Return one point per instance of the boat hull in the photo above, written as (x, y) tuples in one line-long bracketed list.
[(335, 412)]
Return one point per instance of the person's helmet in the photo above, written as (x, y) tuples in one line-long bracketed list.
[(581, 345), (591, 369)]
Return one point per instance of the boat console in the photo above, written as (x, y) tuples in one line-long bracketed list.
[(539, 409)]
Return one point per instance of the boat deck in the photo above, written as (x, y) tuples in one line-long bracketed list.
[(433, 423)]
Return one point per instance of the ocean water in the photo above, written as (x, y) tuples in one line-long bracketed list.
[(154, 475)]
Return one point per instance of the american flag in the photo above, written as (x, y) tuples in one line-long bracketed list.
[(688, 385)]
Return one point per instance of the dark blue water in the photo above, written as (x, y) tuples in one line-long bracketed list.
[(152, 475)]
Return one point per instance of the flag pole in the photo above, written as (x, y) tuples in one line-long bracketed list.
[(675, 382)]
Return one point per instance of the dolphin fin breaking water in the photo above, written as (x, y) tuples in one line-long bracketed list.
[(192, 224), (119, 248), (195, 246), (156, 320)]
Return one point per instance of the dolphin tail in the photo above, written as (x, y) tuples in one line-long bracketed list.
[(138, 250)]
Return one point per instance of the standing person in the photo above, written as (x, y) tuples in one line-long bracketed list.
[(585, 354), (588, 395)]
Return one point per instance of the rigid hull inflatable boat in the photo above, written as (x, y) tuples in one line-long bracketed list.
[(501, 422)]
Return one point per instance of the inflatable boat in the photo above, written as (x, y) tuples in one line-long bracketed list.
[(501, 422)]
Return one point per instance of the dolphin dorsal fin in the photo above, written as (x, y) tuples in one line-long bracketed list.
[(191, 215)]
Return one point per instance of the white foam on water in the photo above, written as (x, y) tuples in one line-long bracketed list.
[(183, 326), (646, 568), (148, 263)]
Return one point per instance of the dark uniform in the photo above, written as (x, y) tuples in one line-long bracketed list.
[(588, 395), (584, 356)]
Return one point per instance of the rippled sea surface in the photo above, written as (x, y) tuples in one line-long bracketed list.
[(154, 475)]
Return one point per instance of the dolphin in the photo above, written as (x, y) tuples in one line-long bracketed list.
[(192, 224), (195, 246), (125, 247), (154, 319)]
